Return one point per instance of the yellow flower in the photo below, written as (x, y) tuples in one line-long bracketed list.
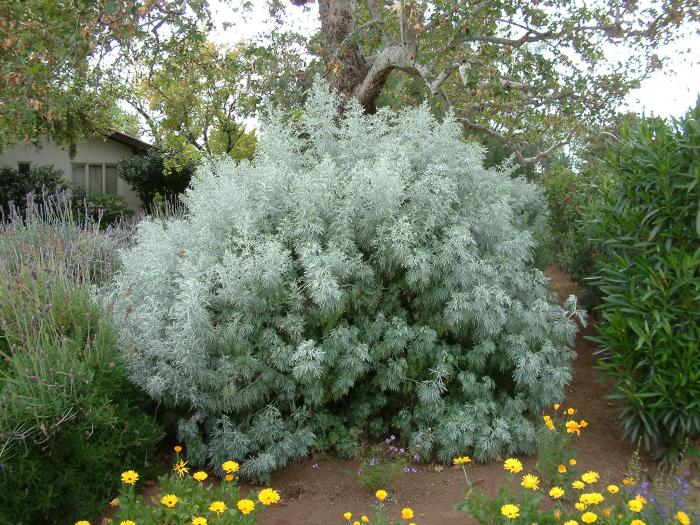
[(229, 477), (217, 507), (572, 462), (549, 424), (268, 496), (347, 516), (530, 481), (583, 423), (573, 427), (628, 481), (114, 503), (364, 519), (230, 467), (579, 505), (561, 469), (406, 513), (169, 500), (129, 477), (510, 511), (200, 475), (462, 460), (570, 411), (613, 489), (641, 499), (578, 484), (592, 498), (513, 465), (82, 522), (635, 505), (381, 494), (590, 476), (181, 468), (246, 506), (355, 522), (682, 518), (556, 492), (637, 522), (588, 517), (571, 522), (127, 522), (199, 520), (556, 406), (177, 449)]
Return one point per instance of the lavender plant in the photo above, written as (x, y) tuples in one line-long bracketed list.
[(361, 273)]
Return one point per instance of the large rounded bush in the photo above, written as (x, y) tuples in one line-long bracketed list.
[(356, 277)]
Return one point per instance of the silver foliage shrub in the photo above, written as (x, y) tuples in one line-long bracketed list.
[(357, 277)]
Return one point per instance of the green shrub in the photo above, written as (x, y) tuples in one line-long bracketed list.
[(147, 176), (15, 186), (647, 225), (99, 208), (69, 417), (568, 194), (362, 276)]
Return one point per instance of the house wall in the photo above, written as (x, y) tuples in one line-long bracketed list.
[(94, 150)]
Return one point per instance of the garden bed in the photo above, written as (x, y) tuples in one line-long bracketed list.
[(319, 490)]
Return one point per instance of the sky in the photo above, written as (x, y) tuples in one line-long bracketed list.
[(665, 93)]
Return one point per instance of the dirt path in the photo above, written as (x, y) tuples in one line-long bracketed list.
[(318, 491)]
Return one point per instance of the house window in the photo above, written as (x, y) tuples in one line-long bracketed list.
[(23, 167), (96, 178)]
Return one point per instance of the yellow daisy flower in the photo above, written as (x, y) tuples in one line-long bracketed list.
[(169, 500), (381, 494), (230, 467), (246, 506), (635, 505), (556, 492), (513, 465), (268, 496), (200, 475), (510, 511), (589, 517), (199, 520), (218, 507), (530, 481), (129, 477)]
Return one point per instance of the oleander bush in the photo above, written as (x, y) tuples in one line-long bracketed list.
[(569, 195), (647, 224), (361, 276), (69, 417)]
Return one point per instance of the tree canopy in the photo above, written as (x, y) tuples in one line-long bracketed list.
[(530, 76)]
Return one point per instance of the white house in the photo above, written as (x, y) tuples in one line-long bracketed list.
[(94, 167)]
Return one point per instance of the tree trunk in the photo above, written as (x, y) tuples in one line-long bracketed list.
[(348, 67)]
